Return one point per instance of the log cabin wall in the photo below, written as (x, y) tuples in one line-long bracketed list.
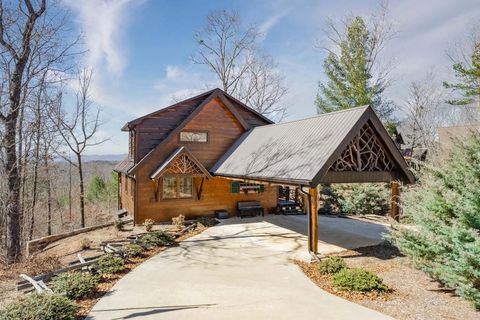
[(216, 195), (127, 191), (223, 130)]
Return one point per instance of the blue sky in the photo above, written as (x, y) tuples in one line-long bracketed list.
[(140, 49)]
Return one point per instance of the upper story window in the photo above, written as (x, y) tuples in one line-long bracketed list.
[(191, 136)]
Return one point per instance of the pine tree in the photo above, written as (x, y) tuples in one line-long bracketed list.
[(445, 207), (96, 188), (468, 76), (350, 80)]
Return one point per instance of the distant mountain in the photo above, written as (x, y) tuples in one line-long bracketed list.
[(103, 157)]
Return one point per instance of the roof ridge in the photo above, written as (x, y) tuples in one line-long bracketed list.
[(314, 117), (206, 94)]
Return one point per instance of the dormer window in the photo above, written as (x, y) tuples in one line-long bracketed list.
[(193, 136)]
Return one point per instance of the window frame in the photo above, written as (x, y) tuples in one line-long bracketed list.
[(207, 134), (177, 187)]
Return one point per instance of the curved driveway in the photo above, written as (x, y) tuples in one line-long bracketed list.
[(241, 269)]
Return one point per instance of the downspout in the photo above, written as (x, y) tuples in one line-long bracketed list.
[(119, 179), (312, 254)]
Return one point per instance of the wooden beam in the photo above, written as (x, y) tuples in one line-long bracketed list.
[(313, 216), (395, 200), (358, 176)]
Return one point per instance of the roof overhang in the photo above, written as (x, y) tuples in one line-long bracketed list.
[(163, 167)]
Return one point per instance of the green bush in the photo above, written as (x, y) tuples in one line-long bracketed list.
[(148, 224), (207, 221), (132, 250), (102, 190), (96, 188), (108, 263), (74, 285), (157, 239), (331, 265), (63, 201), (445, 209), (40, 307), (358, 279), (363, 198), (119, 224)]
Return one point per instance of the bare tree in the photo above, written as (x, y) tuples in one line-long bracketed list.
[(225, 47), (18, 51), (230, 50), (32, 42), (425, 112), (264, 88), (79, 128)]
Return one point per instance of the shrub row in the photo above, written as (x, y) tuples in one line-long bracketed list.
[(355, 279), (157, 239), (76, 285), (40, 307)]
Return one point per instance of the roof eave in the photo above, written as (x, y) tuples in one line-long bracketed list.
[(264, 179)]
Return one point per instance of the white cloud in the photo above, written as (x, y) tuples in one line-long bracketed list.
[(268, 24), (103, 23)]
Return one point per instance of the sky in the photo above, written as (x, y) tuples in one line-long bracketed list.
[(140, 50)]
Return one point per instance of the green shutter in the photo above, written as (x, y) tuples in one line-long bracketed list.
[(262, 188), (235, 186)]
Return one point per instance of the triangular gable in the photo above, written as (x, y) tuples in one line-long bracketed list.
[(217, 93), (181, 161), (365, 152), (378, 158)]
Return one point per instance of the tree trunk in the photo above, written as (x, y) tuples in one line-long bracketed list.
[(49, 200), (82, 193), (11, 165), (13, 202), (35, 173), (70, 191)]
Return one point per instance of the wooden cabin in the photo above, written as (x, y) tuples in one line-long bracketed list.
[(166, 172), (210, 152)]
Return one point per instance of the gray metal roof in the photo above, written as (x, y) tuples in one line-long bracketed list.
[(290, 152), (125, 165)]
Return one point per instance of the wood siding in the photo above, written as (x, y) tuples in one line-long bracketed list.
[(154, 129), (216, 195), (127, 191), (223, 130)]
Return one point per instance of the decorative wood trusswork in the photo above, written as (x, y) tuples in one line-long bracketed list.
[(364, 153), (183, 165)]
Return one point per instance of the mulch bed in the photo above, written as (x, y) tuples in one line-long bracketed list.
[(414, 294), (325, 281)]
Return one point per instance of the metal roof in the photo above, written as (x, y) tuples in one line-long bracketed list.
[(294, 152), (125, 165)]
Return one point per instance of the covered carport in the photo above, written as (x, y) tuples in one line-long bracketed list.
[(349, 146)]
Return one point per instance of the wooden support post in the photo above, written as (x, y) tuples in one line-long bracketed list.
[(313, 216), (395, 200)]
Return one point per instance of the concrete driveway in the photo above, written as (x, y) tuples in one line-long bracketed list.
[(240, 269)]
